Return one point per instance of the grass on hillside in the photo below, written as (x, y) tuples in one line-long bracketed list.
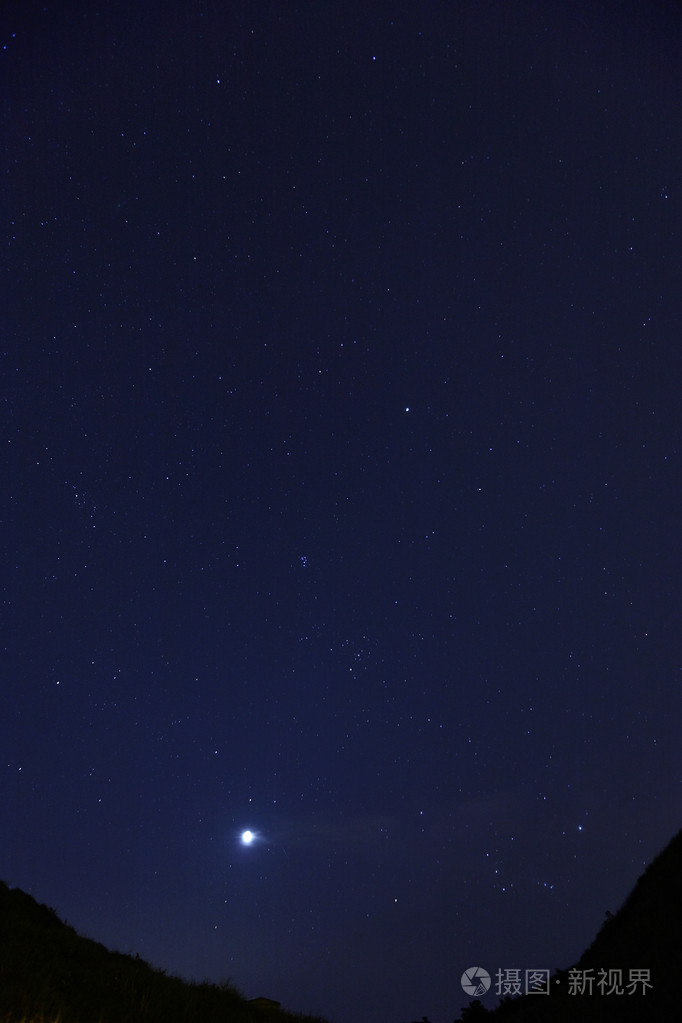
[(51, 974)]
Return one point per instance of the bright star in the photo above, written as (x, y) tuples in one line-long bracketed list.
[(247, 837)]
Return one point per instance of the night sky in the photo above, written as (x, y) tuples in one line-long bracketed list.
[(341, 355)]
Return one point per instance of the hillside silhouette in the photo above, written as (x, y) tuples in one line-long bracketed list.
[(49, 972), (645, 934)]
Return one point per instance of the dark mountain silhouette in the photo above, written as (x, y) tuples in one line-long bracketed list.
[(645, 934), (49, 972)]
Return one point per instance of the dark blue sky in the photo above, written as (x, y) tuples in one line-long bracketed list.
[(341, 484)]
